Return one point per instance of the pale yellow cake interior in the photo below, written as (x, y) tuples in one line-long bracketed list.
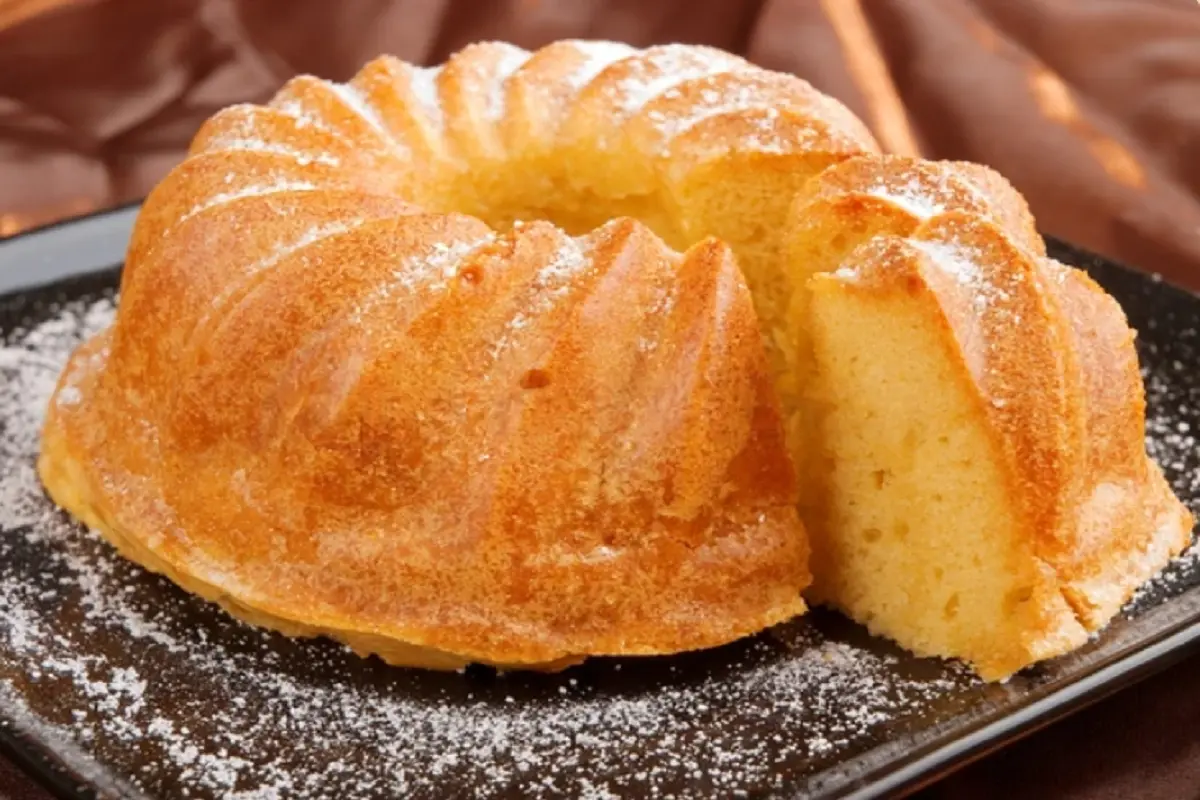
[(926, 534)]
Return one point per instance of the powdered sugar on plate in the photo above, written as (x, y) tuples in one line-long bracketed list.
[(145, 682)]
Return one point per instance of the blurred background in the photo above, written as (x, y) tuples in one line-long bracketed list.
[(1091, 107)]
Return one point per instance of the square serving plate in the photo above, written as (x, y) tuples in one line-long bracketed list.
[(115, 683)]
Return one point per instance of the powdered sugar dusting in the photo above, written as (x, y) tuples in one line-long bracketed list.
[(353, 99), (510, 61), (424, 85), (657, 70), (979, 198), (283, 249), (953, 260), (162, 688), (301, 157), (598, 56), (724, 97), (305, 117), (911, 195), (30, 364), (559, 271), (664, 304), (1169, 373), (551, 283), (962, 263), (765, 130), (1171, 430), (847, 274), (250, 190), (769, 135), (434, 268)]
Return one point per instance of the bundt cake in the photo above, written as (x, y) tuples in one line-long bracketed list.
[(413, 362)]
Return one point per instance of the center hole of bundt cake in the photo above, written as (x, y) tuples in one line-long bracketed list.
[(576, 210)]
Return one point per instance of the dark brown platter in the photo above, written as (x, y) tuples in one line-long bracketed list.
[(114, 683)]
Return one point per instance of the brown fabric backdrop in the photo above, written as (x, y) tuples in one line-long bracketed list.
[(1091, 107)]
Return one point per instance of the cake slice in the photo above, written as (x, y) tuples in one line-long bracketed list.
[(976, 415)]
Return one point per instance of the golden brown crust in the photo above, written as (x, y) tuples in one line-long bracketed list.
[(283, 461), (1122, 518)]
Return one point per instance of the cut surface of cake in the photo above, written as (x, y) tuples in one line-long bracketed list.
[(978, 484), (520, 359)]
